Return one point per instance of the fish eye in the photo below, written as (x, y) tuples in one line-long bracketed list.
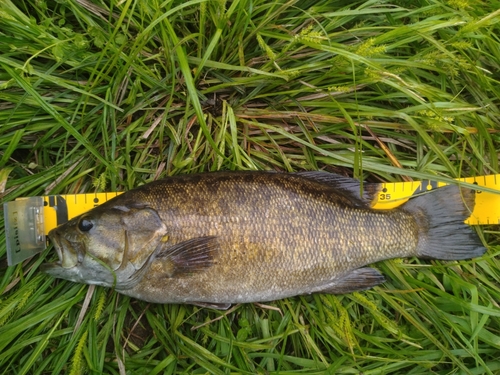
[(85, 225)]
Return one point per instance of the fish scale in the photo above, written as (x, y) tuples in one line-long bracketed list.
[(285, 256), (220, 238)]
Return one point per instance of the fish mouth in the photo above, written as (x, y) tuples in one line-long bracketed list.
[(68, 252), (57, 247)]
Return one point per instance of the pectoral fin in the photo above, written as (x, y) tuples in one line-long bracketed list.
[(357, 280), (191, 256)]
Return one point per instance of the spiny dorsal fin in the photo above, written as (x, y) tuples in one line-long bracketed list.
[(191, 256), (349, 187)]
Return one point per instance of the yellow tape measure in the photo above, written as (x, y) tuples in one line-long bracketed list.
[(29, 220), (58, 209), (486, 210)]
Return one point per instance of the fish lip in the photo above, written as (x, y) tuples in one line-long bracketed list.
[(56, 241), (55, 268), (57, 245)]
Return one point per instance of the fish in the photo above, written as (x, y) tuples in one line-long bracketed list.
[(222, 238)]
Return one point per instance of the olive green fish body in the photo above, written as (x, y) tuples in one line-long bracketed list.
[(220, 238)]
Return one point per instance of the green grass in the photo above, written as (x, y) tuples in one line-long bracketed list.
[(107, 95)]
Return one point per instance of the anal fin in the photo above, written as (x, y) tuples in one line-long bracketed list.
[(355, 281), (210, 305)]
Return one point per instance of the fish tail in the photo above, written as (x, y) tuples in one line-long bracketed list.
[(440, 217)]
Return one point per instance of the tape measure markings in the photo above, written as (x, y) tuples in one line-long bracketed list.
[(69, 206), (28, 220), (486, 210)]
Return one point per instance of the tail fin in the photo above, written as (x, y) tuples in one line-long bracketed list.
[(440, 215)]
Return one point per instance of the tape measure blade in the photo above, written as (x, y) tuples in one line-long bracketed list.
[(394, 194), (487, 208), (59, 209)]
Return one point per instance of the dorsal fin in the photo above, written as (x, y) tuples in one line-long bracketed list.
[(349, 187)]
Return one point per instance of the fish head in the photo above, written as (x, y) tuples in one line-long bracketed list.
[(110, 245)]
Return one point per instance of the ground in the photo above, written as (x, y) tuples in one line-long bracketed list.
[(108, 95)]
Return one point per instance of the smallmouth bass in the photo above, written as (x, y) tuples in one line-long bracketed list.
[(215, 239)]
